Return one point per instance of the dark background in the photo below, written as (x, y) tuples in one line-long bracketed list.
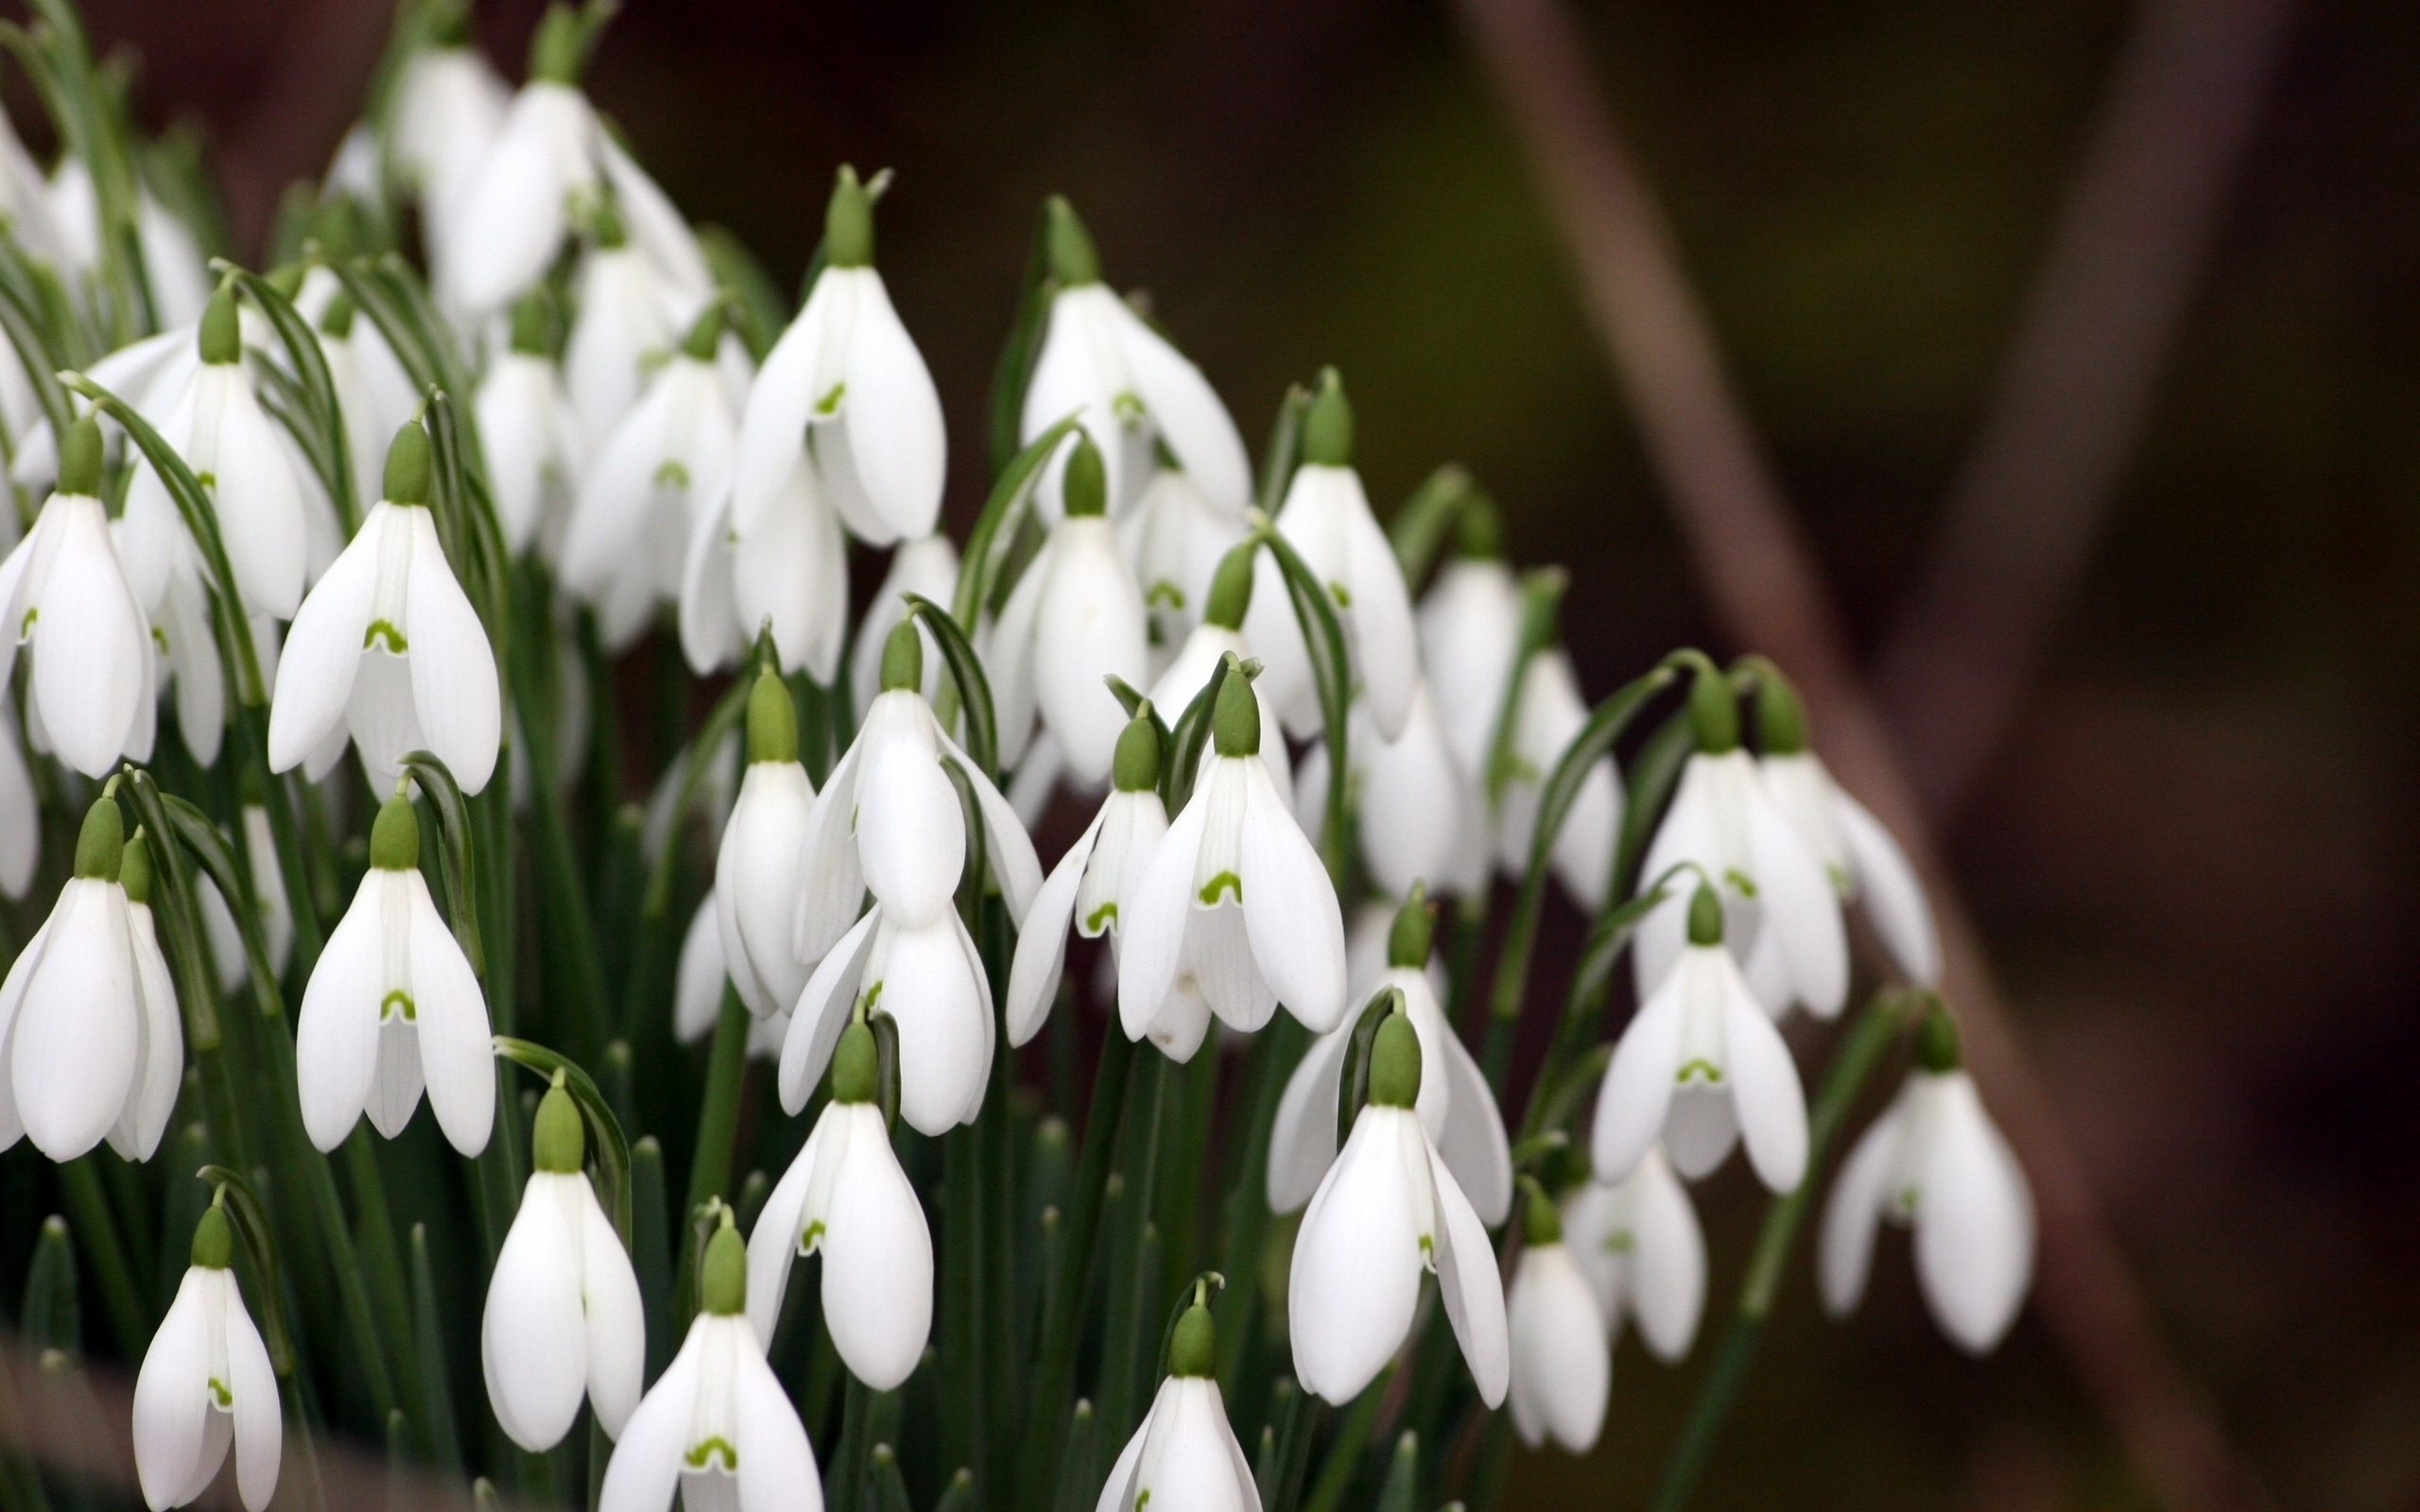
[(2193, 856)]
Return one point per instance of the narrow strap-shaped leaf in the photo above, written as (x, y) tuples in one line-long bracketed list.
[(1331, 673), (428, 1338), (608, 1145), (966, 671), (252, 1221), (978, 570), (1285, 452), (1353, 1085), (1426, 521), (207, 844), (454, 823), (1005, 408)]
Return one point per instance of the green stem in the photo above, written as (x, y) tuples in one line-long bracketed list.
[(718, 1119), (79, 1181), (849, 1465), (964, 1421), (1351, 1437), (383, 1255), (429, 1336)]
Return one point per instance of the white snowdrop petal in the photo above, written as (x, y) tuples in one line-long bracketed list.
[(792, 567), (454, 693), (19, 819), (172, 1397), (1386, 649), (322, 649), (710, 631), (1686, 834), (1562, 1370), (336, 1034), (1893, 895), (937, 993), (73, 1047), (1854, 1213), (162, 1063), (830, 884), (1009, 655), (1042, 945), (777, 1469), (1355, 1280), (646, 1466), (1469, 1284), (756, 882), (1088, 626), (1637, 1091), (1118, 1492), (1154, 918), (1765, 1095), (1006, 846), (616, 1319), (773, 1244), (1188, 415), (260, 502), (1800, 908), (1474, 1143), (1974, 1227), (1301, 1141), (911, 832), (1668, 1261), (511, 215), (824, 1010), (90, 644), (533, 1343), (1289, 907), (697, 995), (893, 412), (456, 1053), (878, 1256), (609, 514), (259, 1427)]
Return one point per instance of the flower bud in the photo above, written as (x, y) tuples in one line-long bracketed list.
[(394, 835), (557, 1140), (1234, 720), (1073, 260), (101, 846), (79, 458), (772, 721), (1395, 1064), (134, 868), (1540, 1223), (1415, 926), (1136, 768), (1327, 429), (1084, 483), (1937, 1045), (1780, 716), (903, 657), (221, 334), (1714, 713), (214, 1241), (857, 1070), (407, 465), (1231, 587), (847, 223), (1705, 916), (1194, 1350), (722, 1281)]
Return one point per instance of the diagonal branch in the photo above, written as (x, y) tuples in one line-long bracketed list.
[(1768, 592)]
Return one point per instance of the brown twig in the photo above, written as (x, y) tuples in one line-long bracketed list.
[(1768, 592)]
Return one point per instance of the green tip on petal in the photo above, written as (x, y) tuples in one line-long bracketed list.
[(1781, 715), (79, 458), (856, 1068), (394, 836), (1084, 486), (847, 223), (407, 465), (1540, 1223), (1714, 713), (1136, 768), (1705, 916), (1194, 1350), (1073, 260), (705, 333), (221, 333), (722, 1288), (214, 1239), (773, 720), (1478, 533), (558, 1142), (533, 326), (903, 657), (1327, 430), (1395, 1064), (1415, 925), (134, 868), (1936, 1046), (555, 51), (101, 846), (1235, 722), (1231, 587)]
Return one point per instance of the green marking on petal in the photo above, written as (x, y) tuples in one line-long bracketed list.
[(1342, 594), (1619, 1243), (712, 1449), (1129, 409), (397, 1001), (1223, 882), (25, 626), (208, 480), (219, 1395), (1429, 1250), (1142, 1499), (1165, 593), (1741, 880), (672, 476), (1099, 918), (160, 639), (1701, 1069), (814, 1235), (830, 402), (385, 631), (1907, 1199)]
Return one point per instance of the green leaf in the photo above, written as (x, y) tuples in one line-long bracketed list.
[(607, 1145), (966, 671), (1183, 744), (1331, 673), (978, 571), (1426, 521), (1005, 415)]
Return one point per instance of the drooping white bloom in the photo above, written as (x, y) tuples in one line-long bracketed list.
[(930, 979), (391, 1003), (846, 390), (630, 317), (926, 566), (387, 643), (789, 570), (1422, 821), (563, 1318), (372, 390), (1326, 518), (1470, 637), (186, 651), (1936, 1164), (1175, 538), (1701, 1068), (1456, 1107), (1184, 1454), (1637, 1241), (1548, 716), (65, 596), (1388, 1209), (172, 261), (20, 811), (449, 108), (1083, 888), (1234, 914), (756, 873), (1073, 620), (535, 445), (1562, 1366), (716, 1427), (205, 1384), (24, 197), (1126, 386), (846, 1198), (90, 1045)]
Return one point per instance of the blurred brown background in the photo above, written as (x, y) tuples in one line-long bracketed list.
[(2192, 857)]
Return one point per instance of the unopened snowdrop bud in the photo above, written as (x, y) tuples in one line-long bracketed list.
[(1561, 1363), (1074, 261), (716, 1427), (1387, 1210), (388, 643), (1639, 1242), (847, 223), (393, 1005), (1936, 1162), (1184, 1453), (756, 877), (846, 1198), (206, 1383)]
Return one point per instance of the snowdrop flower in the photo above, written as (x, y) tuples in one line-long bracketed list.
[(186, 651), (1234, 911), (930, 979), (388, 643), (65, 596), (756, 879), (1782, 918), (24, 196), (373, 392), (206, 1383), (846, 390), (172, 259), (534, 442), (449, 108), (846, 1198), (1548, 718), (392, 1003), (1420, 817), (1865, 863), (1184, 1453), (90, 1042), (716, 1427), (1083, 888), (927, 567), (1936, 1164), (1638, 1243), (639, 499), (563, 1318), (1209, 643), (1702, 1067), (1562, 1369), (1126, 386), (1073, 620), (1326, 518), (20, 811), (787, 571), (1470, 635), (1457, 1109), (888, 822), (628, 316), (1386, 1210), (1175, 538)]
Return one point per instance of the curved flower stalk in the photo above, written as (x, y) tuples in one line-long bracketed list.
[(1132, 391), (449, 108), (1935, 1162), (1175, 538), (1456, 1108), (1083, 888), (1549, 716), (172, 259), (788, 573), (1234, 914), (20, 811), (1326, 518), (1781, 916), (639, 499), (926, 566), (562, 1318), (1562, 1369), (535, 443), (1388, 1209), (1074, 620), (846, 1198), (1702, 1067), (90, 1044), (393, 1005), (389, 644), (716, 1426), (206, 1384), (846, 392), (1420, 817), (1638, 1243), (756, 875), (67, 597), (1218, 637), (1184, 1454)]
